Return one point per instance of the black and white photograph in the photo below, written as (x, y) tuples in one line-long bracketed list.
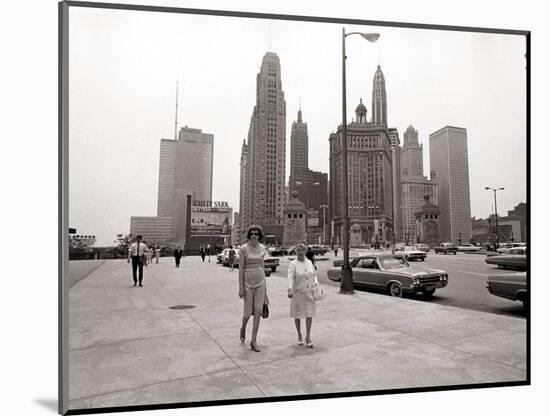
[(208, 184), (285, 207)]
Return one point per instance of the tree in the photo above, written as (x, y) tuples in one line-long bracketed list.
[(123, 242)]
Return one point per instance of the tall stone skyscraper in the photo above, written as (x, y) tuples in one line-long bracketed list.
[(379, 100), (244, 206), (265, 193), (414, 185), (298, 146), (370, 191), (449, 166)]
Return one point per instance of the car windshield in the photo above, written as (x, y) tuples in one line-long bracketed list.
[(409, 248), (392, 263)]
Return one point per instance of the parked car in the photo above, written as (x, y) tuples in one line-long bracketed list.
[(223, 257), (276, 251), (511, 286), (317, 250), (505, 246), (410, 253), (394, 275), (271, 263), (446, 248), (468, 248), (423, 247), (512, 258)]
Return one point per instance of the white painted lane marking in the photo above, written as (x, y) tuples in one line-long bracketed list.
[(479, 274)]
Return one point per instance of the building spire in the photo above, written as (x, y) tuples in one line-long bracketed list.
[(300, 111)]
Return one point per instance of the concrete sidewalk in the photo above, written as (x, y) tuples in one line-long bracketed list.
[(127, 347)]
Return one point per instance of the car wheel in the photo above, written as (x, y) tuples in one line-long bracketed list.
[(525, 305), (273, 269), (454, 253), (428, 293), (395, 290), (423, 258)]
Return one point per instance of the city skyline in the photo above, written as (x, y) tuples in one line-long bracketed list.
[(135, 114)]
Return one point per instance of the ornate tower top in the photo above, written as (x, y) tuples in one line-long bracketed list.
[(379, 101)]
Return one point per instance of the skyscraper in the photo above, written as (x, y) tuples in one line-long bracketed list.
[(298, 146), (396, 182), (414, 185), (379, 100), (449, 166), (369, 180), (265, 170), (185, 168), (244, 206)]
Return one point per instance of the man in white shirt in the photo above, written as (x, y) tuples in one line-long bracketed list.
[(136, 253)]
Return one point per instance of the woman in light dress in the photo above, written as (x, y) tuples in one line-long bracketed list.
[(252, 282), (302, 277)]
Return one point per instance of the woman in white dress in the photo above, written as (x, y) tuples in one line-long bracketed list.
[(302, 277)]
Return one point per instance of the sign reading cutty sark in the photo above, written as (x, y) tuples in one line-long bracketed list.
[(210, 217)]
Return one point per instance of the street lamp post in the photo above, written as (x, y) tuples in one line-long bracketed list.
[(324, 206), (346, 285), (496, 211)]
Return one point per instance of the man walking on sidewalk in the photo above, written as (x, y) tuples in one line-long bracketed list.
[(136, 253), (178, 253)]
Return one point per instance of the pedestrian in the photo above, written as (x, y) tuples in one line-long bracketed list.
[(203, 253), (335, 251), (252, 286), (150, 255), (136, 253), (157, 253), (231, 258), (178, 253), (302, 278), (208, 252), (310, 255)]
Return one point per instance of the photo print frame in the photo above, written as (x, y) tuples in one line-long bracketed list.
[(216, 137)]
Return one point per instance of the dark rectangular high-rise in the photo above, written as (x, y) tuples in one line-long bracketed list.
[(449, 166)]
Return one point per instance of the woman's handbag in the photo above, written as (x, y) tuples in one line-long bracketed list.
[(265, 310), (318, 293)]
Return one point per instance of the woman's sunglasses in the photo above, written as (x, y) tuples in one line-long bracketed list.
[(254, 233)]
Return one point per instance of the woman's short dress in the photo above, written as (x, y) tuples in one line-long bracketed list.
[(254, 279), (302, 276)]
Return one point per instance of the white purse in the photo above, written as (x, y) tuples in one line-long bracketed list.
[(318, 293)]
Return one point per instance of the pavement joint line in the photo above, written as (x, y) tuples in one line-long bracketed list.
[(451, 346), (124, 341), (479, 274), (215, 343), (91, 397)]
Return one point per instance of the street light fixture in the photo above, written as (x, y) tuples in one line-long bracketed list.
[(346, 285), (496, 211)]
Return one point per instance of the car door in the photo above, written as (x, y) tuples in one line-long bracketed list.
[(379, 278), (362, 272)]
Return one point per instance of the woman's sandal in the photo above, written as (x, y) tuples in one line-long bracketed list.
[(254, 347)]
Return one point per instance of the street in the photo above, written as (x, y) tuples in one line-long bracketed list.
[(467, 277)]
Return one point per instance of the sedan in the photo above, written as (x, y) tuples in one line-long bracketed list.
[(468, 248), (411, 253), (512, 258), (511, 286), (393, 275)]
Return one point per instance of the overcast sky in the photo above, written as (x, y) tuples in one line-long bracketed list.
[(123, 71)]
